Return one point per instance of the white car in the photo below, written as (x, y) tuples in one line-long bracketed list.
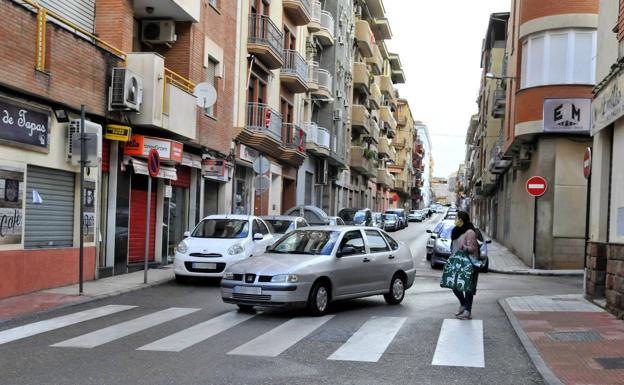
[(219, 241)]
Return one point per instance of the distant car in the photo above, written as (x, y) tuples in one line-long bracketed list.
[(433, 235), (283, 224), (315, 266), (356, 217), (402, 217), (416, 216), (450, 215), (336, 221), (218, 241), (391, 222), (442, 246), (378, 220), (312, 214)]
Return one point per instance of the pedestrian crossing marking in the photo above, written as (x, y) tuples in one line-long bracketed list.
[(370, 342), (59, 322), (198, 333), (277, 340), (124, 329), (460, 344)]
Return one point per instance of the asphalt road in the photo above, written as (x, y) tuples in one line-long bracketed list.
[(407, 358)]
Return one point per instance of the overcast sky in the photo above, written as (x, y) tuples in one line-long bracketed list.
[(439, 43)]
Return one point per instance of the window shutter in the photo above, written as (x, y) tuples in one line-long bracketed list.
[(211, 73)]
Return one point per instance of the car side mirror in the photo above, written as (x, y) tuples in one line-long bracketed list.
[(347, 250), (258, 237), (268, 248), (429, 231), (187, 234), (488, 241)]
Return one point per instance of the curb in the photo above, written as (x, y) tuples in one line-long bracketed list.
[(544, 273), (86, 300), (549, 377)]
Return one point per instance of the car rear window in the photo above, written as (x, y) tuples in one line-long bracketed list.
[(279, 226)]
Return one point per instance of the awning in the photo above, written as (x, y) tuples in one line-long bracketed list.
[(140, 167), (191, 160)]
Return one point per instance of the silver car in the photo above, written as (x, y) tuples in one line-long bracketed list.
[(283, 224), (314, 266)]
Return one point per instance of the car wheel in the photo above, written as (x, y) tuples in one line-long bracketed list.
[(181, 279), (318, 301), (432, 262), (428, 257), (486, 267), (397, 290), (245, 308)]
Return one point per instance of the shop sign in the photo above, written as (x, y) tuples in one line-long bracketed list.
[(567, 116), (117, 132), (608, 104), (248, 154), (11, 195), (23, 127), (88, 219), (214, 168), (140, 145)]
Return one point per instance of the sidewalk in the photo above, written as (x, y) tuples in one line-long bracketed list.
[(504, 261), (570, 340), (32, 303)]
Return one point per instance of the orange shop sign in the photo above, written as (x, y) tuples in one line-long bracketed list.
[(140, 145)]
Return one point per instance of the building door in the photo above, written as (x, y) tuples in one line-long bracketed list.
[(211, 198), (289, 193), (138, 220)]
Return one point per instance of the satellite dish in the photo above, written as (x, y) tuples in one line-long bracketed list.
[(206, 95)]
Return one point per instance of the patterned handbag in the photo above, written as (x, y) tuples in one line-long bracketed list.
[(460, 273)]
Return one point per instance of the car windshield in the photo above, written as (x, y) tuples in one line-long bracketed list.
[(222, 228), (316, 242), (280, 226), (445, 231), (390, 217), (359, 218)]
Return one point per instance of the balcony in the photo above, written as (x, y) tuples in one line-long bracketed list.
[(375, 61), (364, 38), (263, 129), (325, 34), (382, 29), (299, 11), (361, 80), (320, 82), (383, 177), (265, 41), (178, 10), (373, 137), (315, 17), (400, 185), (500, 103), (387, 120), (293, 147), (361, 161), (399, 143), (384, 147), (168, 100), (374, 99), (360, 119), (386, 86), (294, 72), (317, 139)]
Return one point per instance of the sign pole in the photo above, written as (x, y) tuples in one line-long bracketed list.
[(534, 229), (83, 150), (147, 227), (587, 167)]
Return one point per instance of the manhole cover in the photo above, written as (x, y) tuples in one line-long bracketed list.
[(611, 362), (575, 336)]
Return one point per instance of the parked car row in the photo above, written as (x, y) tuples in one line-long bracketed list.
[(439, 245)]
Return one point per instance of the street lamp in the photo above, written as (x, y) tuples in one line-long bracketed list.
[(491, 75)]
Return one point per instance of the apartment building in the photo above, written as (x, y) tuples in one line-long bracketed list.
[(551, 53), (403, 169), (422, 164)]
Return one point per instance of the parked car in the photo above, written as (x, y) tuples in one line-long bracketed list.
[(218, 241), (391, 222), (433, 236), (312, 214), (315, 266), (441, 250), (378, 220), (402, 217), (283, 224), (336, 221), (416, 216), (356, 217), (450, 215)]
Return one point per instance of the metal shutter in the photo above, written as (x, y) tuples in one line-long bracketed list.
[(50, 223)]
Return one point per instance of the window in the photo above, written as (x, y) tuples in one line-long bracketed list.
[(559, 57), (394, 245), (211, 78), (376, 243), (260, 227), (353, 239), (214, 3)]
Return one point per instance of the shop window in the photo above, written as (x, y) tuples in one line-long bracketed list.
[(211, 78)]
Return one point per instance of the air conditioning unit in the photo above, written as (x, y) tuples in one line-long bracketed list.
[(93, 132), (126, 91), (341, 40), (158, 31), (337, 114), (339, 94)]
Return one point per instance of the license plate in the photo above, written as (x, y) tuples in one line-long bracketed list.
[(204, 265), (247, 290)]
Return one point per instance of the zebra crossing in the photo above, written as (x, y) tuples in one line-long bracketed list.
[(460, 343)]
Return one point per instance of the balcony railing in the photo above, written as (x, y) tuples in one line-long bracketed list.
[(262, 118), (294, 136), (316, 135), (295, 70), (327, 22), (322, 78), (263, 31)]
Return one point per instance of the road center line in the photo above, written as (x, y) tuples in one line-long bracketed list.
[(460, 344)]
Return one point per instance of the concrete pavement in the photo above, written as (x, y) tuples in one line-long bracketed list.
[(505, 262)]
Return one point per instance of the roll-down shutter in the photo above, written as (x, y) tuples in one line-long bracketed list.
[(49, 223)]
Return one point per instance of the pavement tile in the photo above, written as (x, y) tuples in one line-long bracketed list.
[(22, 305)]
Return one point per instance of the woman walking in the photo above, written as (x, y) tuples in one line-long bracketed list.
[(464, 238)]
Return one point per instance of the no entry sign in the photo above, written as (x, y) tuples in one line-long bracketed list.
[(536, 186), (153, 163), (587, 162)]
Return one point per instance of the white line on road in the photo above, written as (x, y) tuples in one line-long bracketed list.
[(370, 341), (59, 322), (198, 333), (274, 342), (460, 344), (115, 332)]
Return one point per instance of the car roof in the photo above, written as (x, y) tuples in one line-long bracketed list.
[(338, 228), (231, 216), (395, 210), (281, 217)]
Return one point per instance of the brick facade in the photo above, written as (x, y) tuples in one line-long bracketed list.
[(529, 103), (534, 9), (605, 277)]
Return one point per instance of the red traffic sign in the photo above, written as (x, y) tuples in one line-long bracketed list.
[(153, 162), (587, 162), (536, 186)]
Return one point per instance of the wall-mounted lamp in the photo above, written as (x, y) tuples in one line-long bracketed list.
[(61, 115)]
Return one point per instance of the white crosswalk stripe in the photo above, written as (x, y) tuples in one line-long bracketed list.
[(274, 342), (124, 329), (198, 333), (59, 322), (370, 342), (460, 343)]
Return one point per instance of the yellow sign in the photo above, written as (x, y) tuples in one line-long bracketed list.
[(116, 132)]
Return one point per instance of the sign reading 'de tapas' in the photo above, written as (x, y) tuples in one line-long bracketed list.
[(23, 127), (140, 145)]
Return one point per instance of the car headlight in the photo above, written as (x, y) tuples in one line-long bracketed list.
[(281, 278), (236, 249), (182, 247), (228, 275)]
